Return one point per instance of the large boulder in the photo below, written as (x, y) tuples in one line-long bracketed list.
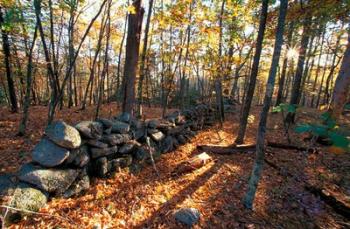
[(96, 143), (115, 139), (120, 127), (63, 135), (25, 198), (49, 154), (90, 129), (102, 152), (105, 122), (187, 216), (55, 181)]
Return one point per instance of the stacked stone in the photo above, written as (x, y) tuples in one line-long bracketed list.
[(66, 157)]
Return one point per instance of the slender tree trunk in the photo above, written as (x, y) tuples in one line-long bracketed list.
[(279, 98), (105, 63), (218, 80), (119, 91), (23, 124), (260, 142), (254, 73), (317, 70), (6, 48), (322, 80), (342, 85), (132, 56), (143, 60), (183, 77), (331, 72), (296, 88)]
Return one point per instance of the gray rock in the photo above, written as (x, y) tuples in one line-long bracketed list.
[(105, 122), (141, 154), (120, 163), (136, 124), (77, 187), (126, 148), (55, 181), (167, 145), (49, 154), (157, 136), (187, 216), (153, 123), (180, 120), (63, 135), (101, 167), (7, 185), (79, 157), (124, 117), (89, 129), (120, 127), (96, 143), (27, 198), (139, 133), (115, 139), (98, 152)]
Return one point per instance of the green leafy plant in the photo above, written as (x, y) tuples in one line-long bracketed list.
[(327, 129)]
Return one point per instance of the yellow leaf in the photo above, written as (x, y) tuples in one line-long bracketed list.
[(131, 9)]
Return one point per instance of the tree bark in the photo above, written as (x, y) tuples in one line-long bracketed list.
[(132, 56), (7, 54), (296, 88), (143, 60), (260, 142), (250, 93), (26, 104), (342, 85)]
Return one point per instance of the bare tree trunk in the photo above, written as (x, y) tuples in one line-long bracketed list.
[(132, 56), (322, 80), (279, 98), (342, 85), (260, 142), (183, 77), (254, 73), (296, 88), (331, 72), (218, 80), (105, 63), (119, 91), (143, 60), (10, 83), (23, 124), (317, 69)]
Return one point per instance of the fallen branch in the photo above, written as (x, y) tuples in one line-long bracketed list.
[(332, 199), (36, 213), (249, 147)]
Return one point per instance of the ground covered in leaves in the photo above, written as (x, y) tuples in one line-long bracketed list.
[(146, 200)]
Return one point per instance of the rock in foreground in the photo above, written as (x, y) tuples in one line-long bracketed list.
[(188, 216), (63, 135)]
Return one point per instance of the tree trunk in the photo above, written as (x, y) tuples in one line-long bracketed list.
[(23, 124), (260, 146), (342, 85), (281, 81), (143, 60), (6, 48), (295, 96), (132, 56), (254, 73)]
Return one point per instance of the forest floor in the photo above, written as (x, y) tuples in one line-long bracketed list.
[(145, 200)]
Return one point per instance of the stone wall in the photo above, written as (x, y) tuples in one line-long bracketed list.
[(67, 157)]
